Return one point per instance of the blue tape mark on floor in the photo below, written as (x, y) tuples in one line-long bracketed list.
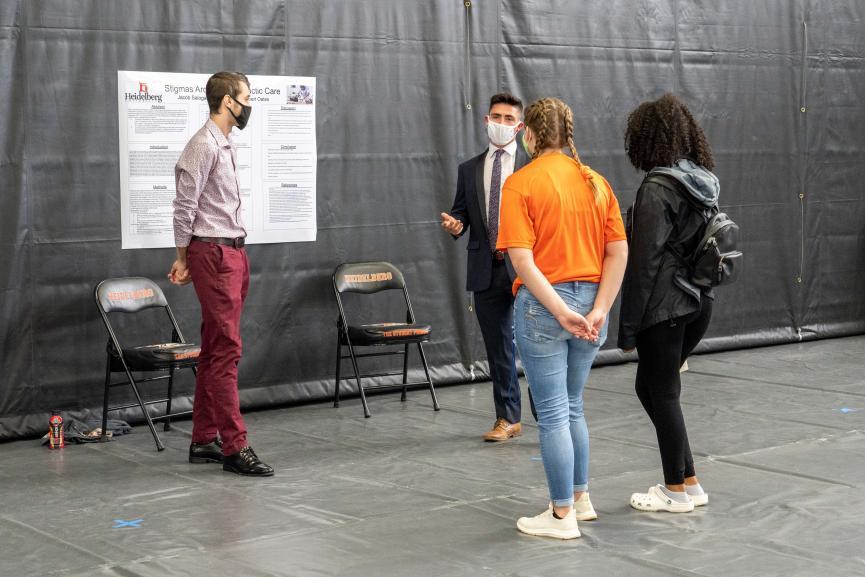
[(120, 523), (846, 410)]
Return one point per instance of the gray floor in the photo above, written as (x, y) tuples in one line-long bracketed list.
[(777, 433)]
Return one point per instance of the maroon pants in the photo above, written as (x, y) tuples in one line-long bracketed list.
[(220, 275)]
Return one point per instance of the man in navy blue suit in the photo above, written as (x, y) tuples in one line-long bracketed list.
[(476, 210)]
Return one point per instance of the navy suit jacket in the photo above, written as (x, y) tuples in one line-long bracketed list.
[(470, 208)]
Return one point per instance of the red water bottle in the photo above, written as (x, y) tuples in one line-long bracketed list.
[(55, 431)]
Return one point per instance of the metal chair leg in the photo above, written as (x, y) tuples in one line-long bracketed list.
[(338, 365), (104, 436), (366, 412), (167, 425), (429, 380), (404, 373), (159, 445)]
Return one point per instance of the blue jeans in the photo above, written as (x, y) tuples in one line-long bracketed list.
[(557, 365)]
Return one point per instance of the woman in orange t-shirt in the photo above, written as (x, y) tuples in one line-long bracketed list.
[(563, 231)]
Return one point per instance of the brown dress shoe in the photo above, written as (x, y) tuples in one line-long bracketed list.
[(503, 430)]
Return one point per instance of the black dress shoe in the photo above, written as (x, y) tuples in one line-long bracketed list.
[(206, 452), (246, 462)]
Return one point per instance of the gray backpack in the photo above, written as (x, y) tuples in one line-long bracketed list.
[(716, 260)]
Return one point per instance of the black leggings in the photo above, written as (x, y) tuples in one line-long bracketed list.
[(662, 349)]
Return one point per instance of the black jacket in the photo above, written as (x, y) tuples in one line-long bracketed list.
[(663, 219), (470, 208)]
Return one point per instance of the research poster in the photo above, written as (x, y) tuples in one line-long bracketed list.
[(276, 154)]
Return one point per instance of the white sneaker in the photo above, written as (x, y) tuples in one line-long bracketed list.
[(583, 509), (699, 500), (546, 525), (656, 500)]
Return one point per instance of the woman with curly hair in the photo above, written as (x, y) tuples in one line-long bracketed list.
[(663, 314), (563, 231)]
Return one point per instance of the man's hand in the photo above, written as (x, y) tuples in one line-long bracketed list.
[(451, 225), (179, 273), (577, 325)]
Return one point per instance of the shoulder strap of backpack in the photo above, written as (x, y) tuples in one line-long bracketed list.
[(671, 183), (663, 180)]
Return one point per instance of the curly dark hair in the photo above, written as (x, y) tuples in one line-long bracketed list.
[(662, 131)]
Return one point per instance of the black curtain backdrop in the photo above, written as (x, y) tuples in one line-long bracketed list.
[(402, 87)]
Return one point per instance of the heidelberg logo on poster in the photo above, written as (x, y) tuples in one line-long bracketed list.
[(141, 93)]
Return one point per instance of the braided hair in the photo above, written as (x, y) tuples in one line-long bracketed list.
[(552, 123)]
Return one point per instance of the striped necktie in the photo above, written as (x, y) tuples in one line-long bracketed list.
[(495, 188)]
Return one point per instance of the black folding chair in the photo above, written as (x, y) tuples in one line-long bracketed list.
[(132, 295), (368, 278)]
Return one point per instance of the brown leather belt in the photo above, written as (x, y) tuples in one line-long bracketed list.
[(498, 255), (235, 242)]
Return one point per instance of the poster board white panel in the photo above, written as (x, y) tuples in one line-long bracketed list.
[(158, 112)]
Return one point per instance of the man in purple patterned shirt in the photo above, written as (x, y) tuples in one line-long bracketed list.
[(209, 234)]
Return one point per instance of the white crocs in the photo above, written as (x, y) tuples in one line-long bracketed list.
[(583, 508), (656, 500), (546, 525)]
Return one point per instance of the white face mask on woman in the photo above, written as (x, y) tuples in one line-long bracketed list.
[(501, 134)]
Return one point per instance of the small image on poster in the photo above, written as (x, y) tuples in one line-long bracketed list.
[(300, 94)]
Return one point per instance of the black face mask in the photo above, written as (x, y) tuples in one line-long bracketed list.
[(244, 113)]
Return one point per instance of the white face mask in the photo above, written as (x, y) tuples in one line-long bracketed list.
[(501, 134)]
